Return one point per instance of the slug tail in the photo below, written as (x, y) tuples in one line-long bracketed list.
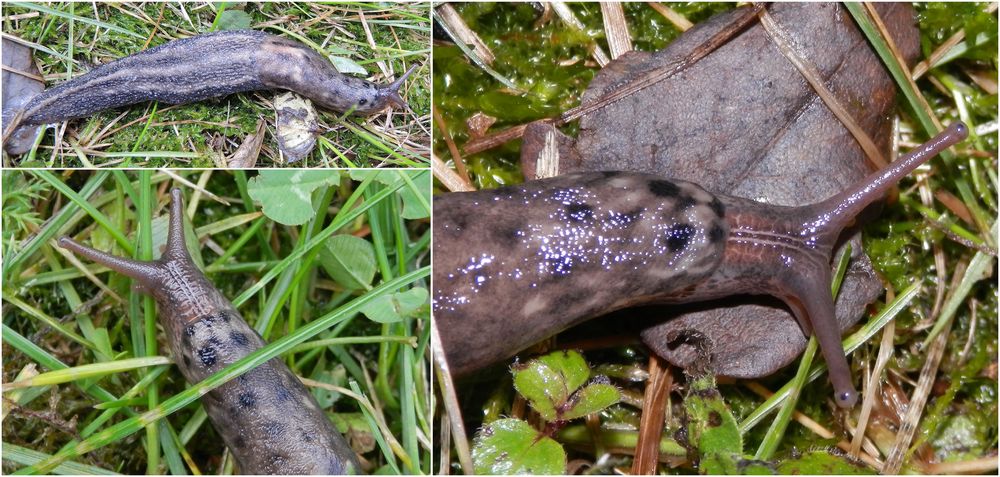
[(146, 273), (840, 210)]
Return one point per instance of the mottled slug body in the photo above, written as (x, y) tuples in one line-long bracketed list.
[(267, 418), (517, 264), (208, 66)]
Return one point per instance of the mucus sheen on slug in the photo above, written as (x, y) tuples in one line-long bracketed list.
[(517, 264), (207, 66)]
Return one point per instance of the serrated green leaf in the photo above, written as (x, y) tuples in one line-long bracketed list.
[(542, 386), (821, 463), (395, 307), (590, 399), (349, 261), (547, 382), (234, 20), (570, 365), (512, 446), (712, 428), (286, 195)]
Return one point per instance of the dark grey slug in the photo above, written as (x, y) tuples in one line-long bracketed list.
[(517, 264), (267, 418), (207, 66)]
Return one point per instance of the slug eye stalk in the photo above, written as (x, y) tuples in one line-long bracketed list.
[(145, 273), (391, 92), (804, 279)]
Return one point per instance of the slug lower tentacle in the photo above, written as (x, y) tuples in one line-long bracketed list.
[(208, 66), (569, 248), (267, 418)]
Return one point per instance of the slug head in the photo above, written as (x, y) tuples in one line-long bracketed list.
[(180, 289), (387, 96), (786, 252)]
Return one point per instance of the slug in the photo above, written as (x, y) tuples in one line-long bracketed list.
[(742, 121), (517, 264), (267, 418), (207, 66)]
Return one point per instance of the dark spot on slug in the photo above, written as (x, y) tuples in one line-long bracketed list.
[(233, 412), (507, 234), (207, 355), (248, 400), (363, 102), (306, 437), (717, 207), (714, 419), (579, 212), (686, 202), (716, 234), (460, 221), (282, 394), (238, 338), (187, 361), (661, 188), (278, 461), (240, 442), (189, 331), (574, 298), (679, 236)]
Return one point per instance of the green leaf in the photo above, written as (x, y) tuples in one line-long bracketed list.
[(85, 371), (286, 195), (512, 446), (335, 375), (234, 20), (383, 176), (548, 382), (349, 260), (712, 428), (395, 307), (348, 66), (592, 398), (821, 463), (414, 207)]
